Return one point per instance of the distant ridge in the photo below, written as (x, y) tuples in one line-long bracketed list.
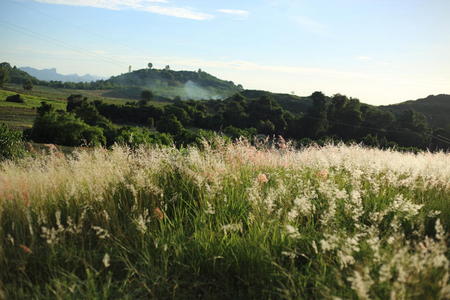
[(53, 75), (435, 107)]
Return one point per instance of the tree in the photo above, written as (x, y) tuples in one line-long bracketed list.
[(45, 108), (15, 98), (150, 65), (4, 75), (65, 129), (316, 119), (179, 112), (90, 115), (169, 124), (146, 96), (265, 127), (167, 68), (27, 85), (74, 101)]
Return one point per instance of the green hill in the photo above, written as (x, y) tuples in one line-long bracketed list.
[(15, 75), (171, 84), (435, 108), (292, 103)]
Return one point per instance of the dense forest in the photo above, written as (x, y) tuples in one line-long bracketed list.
[(338, 118)]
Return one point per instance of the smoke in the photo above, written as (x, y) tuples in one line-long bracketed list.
[(195, 92)]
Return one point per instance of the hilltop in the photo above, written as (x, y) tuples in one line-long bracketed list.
[(168, 83)]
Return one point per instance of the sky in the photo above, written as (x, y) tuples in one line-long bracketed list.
[(379, 51)]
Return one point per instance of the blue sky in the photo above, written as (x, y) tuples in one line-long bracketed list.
[(380, 51)]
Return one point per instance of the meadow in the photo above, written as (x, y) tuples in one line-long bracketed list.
[(226, 221), (20, 116)]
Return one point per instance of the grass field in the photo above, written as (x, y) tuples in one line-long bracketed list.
[(226, 222), (21, 115), (19, 118), (62, 94)]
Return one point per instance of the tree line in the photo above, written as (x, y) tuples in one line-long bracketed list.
[(338, 118)]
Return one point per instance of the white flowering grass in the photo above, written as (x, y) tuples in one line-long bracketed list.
[(226, 222)]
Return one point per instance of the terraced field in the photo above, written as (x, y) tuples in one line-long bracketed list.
[(21, 115)]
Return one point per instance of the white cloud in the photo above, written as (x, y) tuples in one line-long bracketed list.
[(236, 12), (310, 25), (143, 5), (179, 12)]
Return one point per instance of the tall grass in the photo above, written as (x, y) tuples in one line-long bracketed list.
[(229, 221)]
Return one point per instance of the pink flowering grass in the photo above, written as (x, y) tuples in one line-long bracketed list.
[(229, 221)]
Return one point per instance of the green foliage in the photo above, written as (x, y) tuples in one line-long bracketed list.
[(436, 109), (74, 101), (317, 117), (342, 118), (4, 75), (236, 133), (11, 144), (15, 98), (146, 96), (137, 136), (170, 124), (14, 75), (64, 129), (27, 85)]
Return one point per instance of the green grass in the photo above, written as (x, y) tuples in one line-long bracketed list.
[(19, 118), (228, 222), (31, 101), (62, 94), (21, 115)]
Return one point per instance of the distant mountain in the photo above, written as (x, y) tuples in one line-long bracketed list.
[(51, 74), (435, 108), (171, 84)]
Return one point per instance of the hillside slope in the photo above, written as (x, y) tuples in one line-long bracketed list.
[(435, 107), (16, 75), (292, 103), (171, 84)]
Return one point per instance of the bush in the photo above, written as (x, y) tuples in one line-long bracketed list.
[(27, 85), (15, 98), (137, 136), (236, 133), (11, 144), (170, 124), (65, 129)]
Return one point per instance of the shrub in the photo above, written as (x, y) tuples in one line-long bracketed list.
[(136, 136), (11, 144), (170, 124), (15, 98), (27, 85), (65, 129)]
